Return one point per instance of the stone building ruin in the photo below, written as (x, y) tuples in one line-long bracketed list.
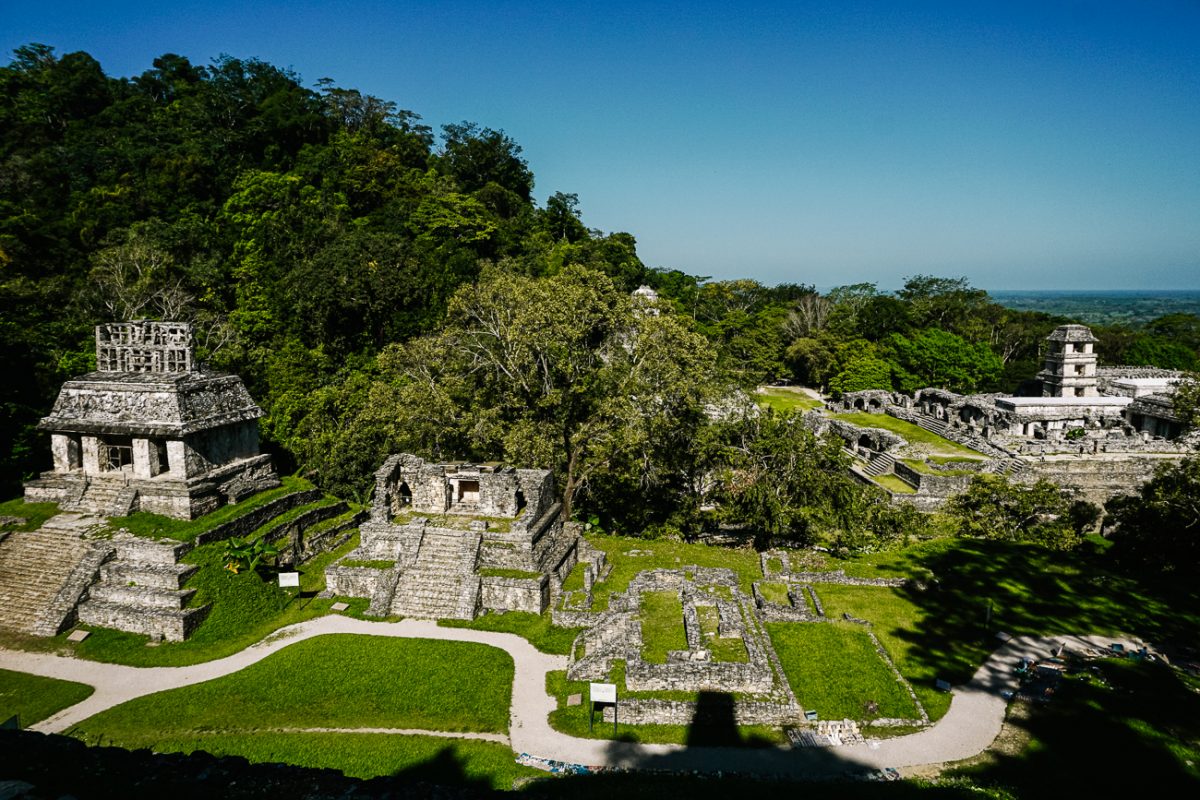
[(450, 540), (1098, 430), (151, 431)]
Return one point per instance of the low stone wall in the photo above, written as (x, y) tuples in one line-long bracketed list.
[(247, 523), (353, 581), (941, 486), (840, 577), (682, 712), (515, 594), (154, 622), (775, 612)]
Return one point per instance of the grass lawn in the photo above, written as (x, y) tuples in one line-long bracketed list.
[(913, 433), (666, 554), (786, 400), (34, 514), (32, 698), (662, 626), (537, 628), (143, 523), (834, 670), (727, 648), (473, 764), (775, 592), (924, 468), (1109, 733), (334, 681), (499, 572), (574, 719)]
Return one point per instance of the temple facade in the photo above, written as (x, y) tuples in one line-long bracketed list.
[(149, 430)]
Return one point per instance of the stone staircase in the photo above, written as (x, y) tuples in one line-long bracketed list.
[(44, 573), (141, 591), (441, 583), (111, 498), (880, 464)]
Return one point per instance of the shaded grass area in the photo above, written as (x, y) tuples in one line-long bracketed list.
[(338, 680), (834, 670), (662, 625), (246, 608), (472, 764), (785, 400), (32, 698), (914, 434), (157, 526), (666, 554), (34, 514), (636, 786), (573, 720), (536, 628), (1109, 733)]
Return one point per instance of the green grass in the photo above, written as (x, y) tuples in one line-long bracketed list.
[(573, 720), (334, 681), (913, 433), (574, 581), (666, 554), (833, 669), (786, 400), (33, 698), (893, 484), (775, 593), (536, 628), (448, 762), (458, 521), (34, 514), (495, 572), (271, 530), (923, 468), (727, 648), (662, 625), (1105, 734), (156, 526)]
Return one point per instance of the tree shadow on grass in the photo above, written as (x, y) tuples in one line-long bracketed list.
[(445, 768)]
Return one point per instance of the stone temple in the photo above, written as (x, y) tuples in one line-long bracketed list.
[(451, 540), (151, 431)]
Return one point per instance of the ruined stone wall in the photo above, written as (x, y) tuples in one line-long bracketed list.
[(515, 594), (1097, 479), (353, 581), (941, 486), (680, 712), (537, 486)]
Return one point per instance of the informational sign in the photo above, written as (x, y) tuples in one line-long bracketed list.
[(603, 692), (289, 579)]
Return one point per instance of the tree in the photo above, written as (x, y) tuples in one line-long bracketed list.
[(1186, 401), (476, 156), (936, 357), (1159, 527), (992, 507), (866, 371)]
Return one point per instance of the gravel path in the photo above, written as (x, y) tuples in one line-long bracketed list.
[(974, 719)]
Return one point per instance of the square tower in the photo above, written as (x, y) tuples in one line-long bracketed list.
[(1070, 364)]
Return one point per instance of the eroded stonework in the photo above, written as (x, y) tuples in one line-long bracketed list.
[(149, 430)]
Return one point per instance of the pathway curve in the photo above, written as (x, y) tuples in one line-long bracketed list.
[(976, 713)]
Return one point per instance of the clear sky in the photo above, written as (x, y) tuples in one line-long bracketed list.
[(1051, 144)]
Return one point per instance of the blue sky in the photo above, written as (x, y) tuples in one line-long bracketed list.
[(1052, 144)]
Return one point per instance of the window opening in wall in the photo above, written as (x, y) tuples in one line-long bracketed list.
[(520, 500), (404, 494), (468, 491), (1079, 391), (114, 457), (1079, 368), (161, 450)]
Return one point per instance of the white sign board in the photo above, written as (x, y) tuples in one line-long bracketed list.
[(287, 579), (603, 692)]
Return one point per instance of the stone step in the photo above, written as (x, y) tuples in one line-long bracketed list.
[(131, 548), (141, 596), (42, 573), (162, 576), (171, 624)]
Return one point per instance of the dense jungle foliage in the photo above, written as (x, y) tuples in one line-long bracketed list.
[(381, 287)]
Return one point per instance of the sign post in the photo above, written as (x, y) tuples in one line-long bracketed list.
[(602, 694)]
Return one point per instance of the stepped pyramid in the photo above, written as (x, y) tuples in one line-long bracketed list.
[(441, 583), (44, 573)]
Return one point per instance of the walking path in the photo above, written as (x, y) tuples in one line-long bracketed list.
[(976, 710)]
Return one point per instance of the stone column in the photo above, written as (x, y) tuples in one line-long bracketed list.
[(177, 458), (90, 445), (145, 459), (65, 449)]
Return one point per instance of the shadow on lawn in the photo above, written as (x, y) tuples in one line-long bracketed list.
[(445, 768), (1032, 590)]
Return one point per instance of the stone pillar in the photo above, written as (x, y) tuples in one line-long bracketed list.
[(145, 459), (90, 445), (65, 449), (177, 458)]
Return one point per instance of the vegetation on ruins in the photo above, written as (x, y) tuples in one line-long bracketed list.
[(992, 507)]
